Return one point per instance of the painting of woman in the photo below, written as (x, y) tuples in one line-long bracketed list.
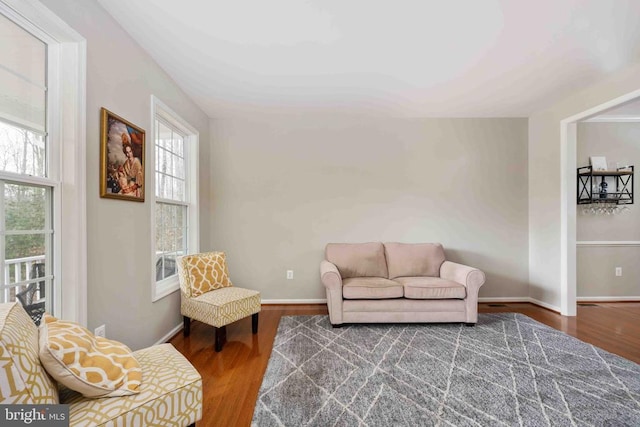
[(132, 169), (121, 158)]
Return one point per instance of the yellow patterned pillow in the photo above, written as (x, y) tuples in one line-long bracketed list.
[(206, 272), (12, 387), (93, 366)]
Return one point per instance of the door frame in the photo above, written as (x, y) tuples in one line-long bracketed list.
[(568, 165)]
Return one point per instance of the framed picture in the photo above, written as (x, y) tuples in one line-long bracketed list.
[(598, 163), (122, 149)]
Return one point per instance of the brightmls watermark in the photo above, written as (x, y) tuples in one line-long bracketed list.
[(34, 415)]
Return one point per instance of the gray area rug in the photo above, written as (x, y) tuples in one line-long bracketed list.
[(508, 370)]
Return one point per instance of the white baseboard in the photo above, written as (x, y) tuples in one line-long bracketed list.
[(520, 299), (607, 299), (504, 299), (171, 333), (545, 305), (295, 301), (483, 299), (605, 243), (175, 330)]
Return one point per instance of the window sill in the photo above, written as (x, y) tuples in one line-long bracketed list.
[(164, 288)]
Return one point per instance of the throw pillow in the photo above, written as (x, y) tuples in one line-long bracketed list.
[(206, 272), (93, 366)]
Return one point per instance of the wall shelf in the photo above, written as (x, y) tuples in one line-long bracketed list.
[(590, 190)]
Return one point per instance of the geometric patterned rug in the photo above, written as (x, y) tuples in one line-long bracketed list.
[(508, 370)]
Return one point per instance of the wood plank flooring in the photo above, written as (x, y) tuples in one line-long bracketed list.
[(232, 378)]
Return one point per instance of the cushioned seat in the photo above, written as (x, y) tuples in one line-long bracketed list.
[(170, 394), (371, 288), (224, 306), (431, 288)]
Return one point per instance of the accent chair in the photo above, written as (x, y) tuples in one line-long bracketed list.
[(208, 296)]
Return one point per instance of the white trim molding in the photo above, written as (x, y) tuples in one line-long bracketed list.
[(607, 243), (609, 299), (614, 119), (547, 306), (568, 164), (496, 300), (499, 300), (67, 59), (160, 110), (170, 334), (295, 301)]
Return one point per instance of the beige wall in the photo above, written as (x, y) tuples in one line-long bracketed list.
[(545, 268), (283, 187), (122, 77), (618, 142), (596, 271)]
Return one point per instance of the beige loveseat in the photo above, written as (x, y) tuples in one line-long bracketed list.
[(398, 283), (170, 392)]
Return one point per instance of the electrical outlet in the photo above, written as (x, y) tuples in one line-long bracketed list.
[(619, 271), (101, 331), (289, 274)]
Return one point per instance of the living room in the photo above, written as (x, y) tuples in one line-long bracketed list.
[(283, 172)]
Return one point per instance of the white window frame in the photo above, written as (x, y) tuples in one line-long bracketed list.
[(162, 288), (66, 118)]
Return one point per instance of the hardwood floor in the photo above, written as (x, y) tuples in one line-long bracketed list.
[(232, 378)]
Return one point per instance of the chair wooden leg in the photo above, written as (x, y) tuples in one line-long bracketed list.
[(186, 330), (254, 323), (221, 334)]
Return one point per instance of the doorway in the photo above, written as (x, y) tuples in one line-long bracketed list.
[(568, 211)]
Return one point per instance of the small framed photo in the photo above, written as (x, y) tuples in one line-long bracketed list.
[(598, 163), (122, 150)]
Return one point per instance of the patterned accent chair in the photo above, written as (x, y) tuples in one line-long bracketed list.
[(170, 392), (208, 296)]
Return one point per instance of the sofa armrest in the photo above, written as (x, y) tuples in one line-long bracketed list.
[(471, 278), (330, 276), (332, 281)]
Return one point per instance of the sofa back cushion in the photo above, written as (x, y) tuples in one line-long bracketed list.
[(358, 259), (414, 259), (23, 379)]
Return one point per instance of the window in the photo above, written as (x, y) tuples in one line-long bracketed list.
[(26, 183), (175, 215), (42, 93)]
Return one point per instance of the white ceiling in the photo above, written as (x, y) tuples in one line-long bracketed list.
[(417, 58)]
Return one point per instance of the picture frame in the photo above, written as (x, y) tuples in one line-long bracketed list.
[(122, 163), (598, 163)]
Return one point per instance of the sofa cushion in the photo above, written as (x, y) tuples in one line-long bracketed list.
[(170, 395), (371, 288), (223, 306), (358, 259), (431, 288), (201, 273), (93, 366), (414, 259), (23, 379)]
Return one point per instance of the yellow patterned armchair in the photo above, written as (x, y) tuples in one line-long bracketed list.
[(207, 295), (170, 393)]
